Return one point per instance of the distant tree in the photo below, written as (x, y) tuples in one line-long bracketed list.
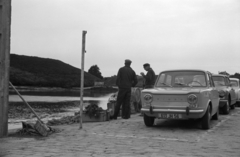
[(94, 70), (236, 75), (223, 73)]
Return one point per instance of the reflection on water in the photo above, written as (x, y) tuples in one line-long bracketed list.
[(69, 93), (99, 98), (101, 101)]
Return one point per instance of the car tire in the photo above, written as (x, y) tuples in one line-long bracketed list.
[(206, 119), (216, 115), (149, 121), (226, 108), (139, 105), (233, 106), (237, 104)]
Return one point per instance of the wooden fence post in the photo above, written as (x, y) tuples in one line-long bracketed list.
[(5, 22)]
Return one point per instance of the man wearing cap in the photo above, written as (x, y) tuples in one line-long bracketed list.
[(149, 77), (126, 78)]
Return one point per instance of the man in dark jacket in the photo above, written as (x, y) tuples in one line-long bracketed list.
[(149, 77), (126, 78)]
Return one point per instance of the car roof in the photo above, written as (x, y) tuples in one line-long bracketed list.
[(220, 75), (186, 70), (234, 79)]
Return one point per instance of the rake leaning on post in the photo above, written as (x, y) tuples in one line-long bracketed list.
[(42, 128)]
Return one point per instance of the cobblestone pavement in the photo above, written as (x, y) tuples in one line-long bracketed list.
[(122, 138)]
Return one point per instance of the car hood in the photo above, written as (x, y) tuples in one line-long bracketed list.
[(172, 90)]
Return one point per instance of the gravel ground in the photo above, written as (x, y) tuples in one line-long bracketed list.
[(122, 138)]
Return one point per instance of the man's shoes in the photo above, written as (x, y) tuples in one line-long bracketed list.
[(125, 117), (113, 118)]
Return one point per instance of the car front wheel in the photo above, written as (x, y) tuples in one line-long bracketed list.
[(149, 121), (206, 119), (226, 108), (237, 104), (233, 106)]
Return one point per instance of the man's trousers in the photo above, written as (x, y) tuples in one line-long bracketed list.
[(124, 97)]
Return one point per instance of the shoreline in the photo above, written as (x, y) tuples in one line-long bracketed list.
[(59, 89), (20, 110), (51, 103)]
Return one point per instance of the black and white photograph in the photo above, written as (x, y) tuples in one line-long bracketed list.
[(119, 78)]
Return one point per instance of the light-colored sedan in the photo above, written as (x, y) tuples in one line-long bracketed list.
[(226, 92), (236, 86), (181, 94)]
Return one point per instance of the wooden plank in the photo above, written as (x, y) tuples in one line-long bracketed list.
[(5, 21)]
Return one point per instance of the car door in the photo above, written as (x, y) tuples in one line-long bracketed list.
[(214, 95), (231, 91), (235, 86), (238, 91)]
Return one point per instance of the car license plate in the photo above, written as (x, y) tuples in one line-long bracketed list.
[(169, 116)]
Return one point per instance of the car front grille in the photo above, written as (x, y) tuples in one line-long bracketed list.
[(170, 98)]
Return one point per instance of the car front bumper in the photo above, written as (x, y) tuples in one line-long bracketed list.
[(173, 110), (185, 113)]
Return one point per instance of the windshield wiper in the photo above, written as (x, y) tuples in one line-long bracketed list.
[(182, 84), (166, 84)]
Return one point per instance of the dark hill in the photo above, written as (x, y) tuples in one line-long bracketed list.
[(45, 72)]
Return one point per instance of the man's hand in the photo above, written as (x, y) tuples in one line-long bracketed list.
[(142, 74)]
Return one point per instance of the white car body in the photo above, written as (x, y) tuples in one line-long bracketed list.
[(181, 94), (236, 86)]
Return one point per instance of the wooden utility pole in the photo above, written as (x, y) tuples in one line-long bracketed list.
[(5, 22), (82, 77)]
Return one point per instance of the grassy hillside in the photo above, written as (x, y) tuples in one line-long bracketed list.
[(45, 72)]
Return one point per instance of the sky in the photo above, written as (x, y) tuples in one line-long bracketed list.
[(167, 34)]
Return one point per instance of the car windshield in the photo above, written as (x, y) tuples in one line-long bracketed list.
[(181, 79), (234, 83), (219, 81)]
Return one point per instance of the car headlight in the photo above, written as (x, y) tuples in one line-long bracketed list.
[(148, 98), (221, 93), (192, 100)]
